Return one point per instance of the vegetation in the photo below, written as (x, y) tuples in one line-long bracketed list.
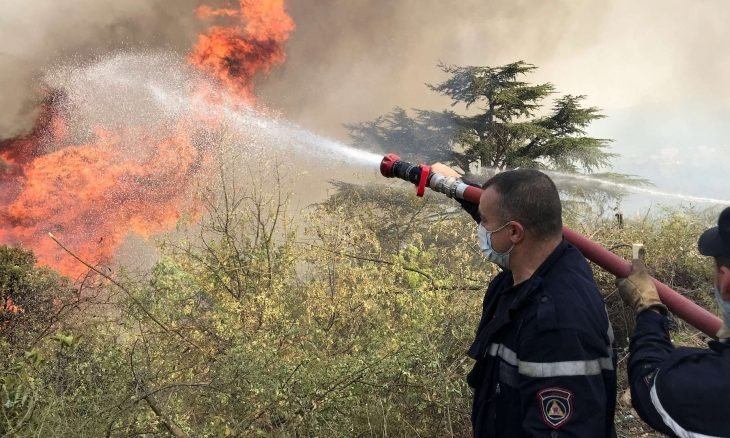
[(355, 325), (506, 131), (505, 123), (351, 319)]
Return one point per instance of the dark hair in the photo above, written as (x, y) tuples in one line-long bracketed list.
[(529, 197)]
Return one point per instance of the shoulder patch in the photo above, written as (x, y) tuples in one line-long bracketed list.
[(556, 405)]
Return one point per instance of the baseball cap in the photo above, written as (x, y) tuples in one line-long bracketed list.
[(715, 242)]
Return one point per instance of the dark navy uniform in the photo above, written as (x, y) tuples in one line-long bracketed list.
[(545, 364), (682, 392)]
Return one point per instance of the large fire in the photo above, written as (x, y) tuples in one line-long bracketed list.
[(91, 195)]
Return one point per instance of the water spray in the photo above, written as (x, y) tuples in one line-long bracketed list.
[(421, 176)]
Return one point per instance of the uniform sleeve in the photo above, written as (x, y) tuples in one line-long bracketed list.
[(650, 347), (472, 209), (566, 383)]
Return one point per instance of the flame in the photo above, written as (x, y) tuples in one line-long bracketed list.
[(251, 43), (93, 194), (7, 305)]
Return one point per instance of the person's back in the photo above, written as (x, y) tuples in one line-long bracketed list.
[(681, 392)]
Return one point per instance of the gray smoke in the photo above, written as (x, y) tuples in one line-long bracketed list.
[(353, 60), (350, 61), (39, 33)]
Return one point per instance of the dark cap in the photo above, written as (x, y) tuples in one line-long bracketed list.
[(715, 242)]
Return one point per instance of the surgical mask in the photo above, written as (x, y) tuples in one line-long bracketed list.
[(501, 259), (725, 309)]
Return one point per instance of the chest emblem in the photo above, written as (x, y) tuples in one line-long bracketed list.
[(556, 405)]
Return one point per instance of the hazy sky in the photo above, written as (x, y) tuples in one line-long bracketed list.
[(658, 68)]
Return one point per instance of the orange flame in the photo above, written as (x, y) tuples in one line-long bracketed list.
[(252, 43), (91, 195), (7, 305)]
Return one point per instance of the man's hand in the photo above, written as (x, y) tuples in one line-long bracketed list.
[(638, 291), (472, 209), (444, 170)]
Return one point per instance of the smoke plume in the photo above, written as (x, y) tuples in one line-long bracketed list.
[(351, 61)]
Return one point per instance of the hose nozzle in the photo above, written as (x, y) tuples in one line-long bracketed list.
[(421, 176), (386, 166)]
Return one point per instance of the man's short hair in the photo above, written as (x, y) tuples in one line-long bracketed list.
[(529, 197)]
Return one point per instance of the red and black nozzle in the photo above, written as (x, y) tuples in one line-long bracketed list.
[(386, 166), (393, 167)]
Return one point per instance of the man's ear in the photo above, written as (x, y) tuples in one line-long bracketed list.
[(517, 233), (724, 284)]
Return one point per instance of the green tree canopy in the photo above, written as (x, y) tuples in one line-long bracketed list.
[(511, 128)]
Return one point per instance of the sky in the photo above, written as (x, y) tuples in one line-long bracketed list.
[(657, 68)]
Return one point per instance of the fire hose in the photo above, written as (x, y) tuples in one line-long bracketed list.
[(420, 175)]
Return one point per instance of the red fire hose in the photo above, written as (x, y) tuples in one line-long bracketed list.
[(421, 176)]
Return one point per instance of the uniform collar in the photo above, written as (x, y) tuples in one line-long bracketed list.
[(501, 315), (533, 282)]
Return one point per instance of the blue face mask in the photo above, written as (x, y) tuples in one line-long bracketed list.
[(725, 309), (501, 259)]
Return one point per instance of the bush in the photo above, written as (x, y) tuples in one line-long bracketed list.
[(355, 324)]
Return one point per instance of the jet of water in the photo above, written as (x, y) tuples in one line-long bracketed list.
[(588, 180)]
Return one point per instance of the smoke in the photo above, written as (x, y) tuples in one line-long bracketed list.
[(36, 34), (352, 61)]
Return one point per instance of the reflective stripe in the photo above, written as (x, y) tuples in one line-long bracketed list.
[(505, 353), (668, 420), (551, 369)]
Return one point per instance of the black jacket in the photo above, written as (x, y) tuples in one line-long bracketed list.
[(681, 392), (545, 364)]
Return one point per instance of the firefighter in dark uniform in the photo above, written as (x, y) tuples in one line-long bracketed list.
[(545, 365), (683, 392)]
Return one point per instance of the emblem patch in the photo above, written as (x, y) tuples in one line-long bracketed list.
[(556, 405)]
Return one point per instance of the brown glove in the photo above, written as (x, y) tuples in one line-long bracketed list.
[(638, 290)]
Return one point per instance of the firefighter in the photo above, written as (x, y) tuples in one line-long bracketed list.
[(682, 392), (544, 362)]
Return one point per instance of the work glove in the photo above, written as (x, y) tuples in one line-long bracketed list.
[(638, 290)]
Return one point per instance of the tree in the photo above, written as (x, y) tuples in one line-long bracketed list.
[(32, 298), (511, 128), (507, 131)]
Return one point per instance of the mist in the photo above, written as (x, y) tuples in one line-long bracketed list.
[(656, 68), (35, 35), (351, 61)]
